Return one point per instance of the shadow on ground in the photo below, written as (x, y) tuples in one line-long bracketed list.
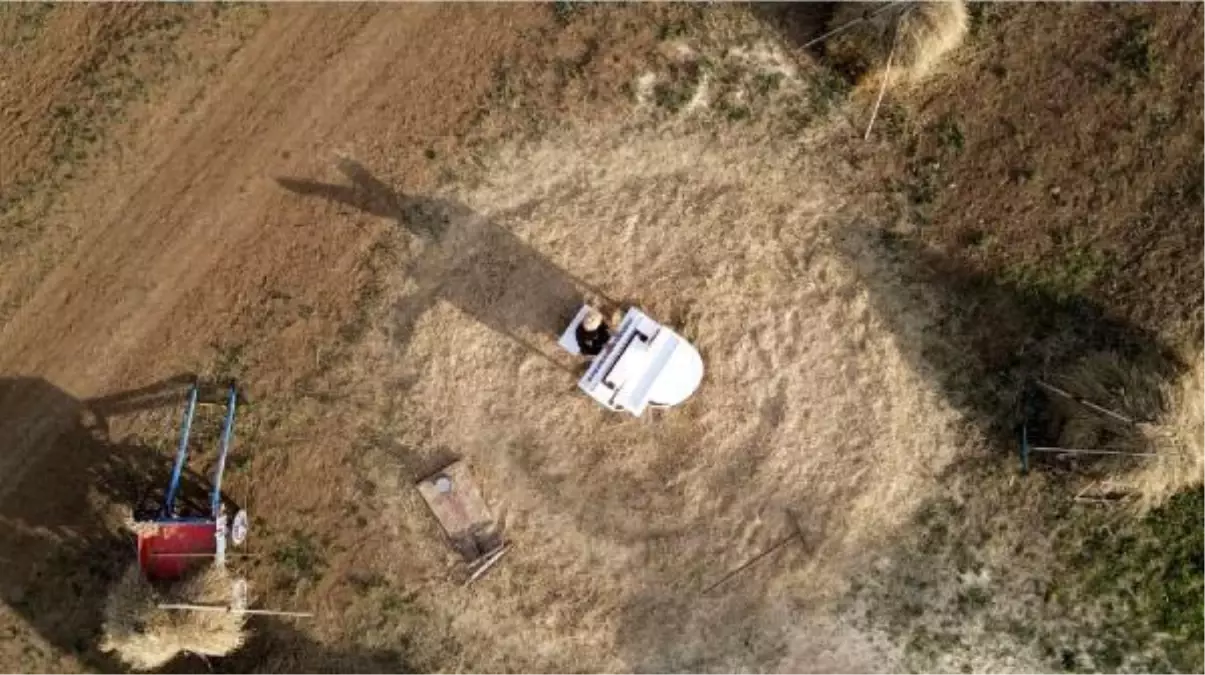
[(475, 264), (277, 646), (799, 23), (61, 547), (990, 337), (993, 335)]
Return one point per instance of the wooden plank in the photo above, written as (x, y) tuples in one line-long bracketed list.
[(457, 504), (483, 564), (231, 610), (1090, 451)]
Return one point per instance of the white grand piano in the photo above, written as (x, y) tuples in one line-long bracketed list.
[(643, 364)]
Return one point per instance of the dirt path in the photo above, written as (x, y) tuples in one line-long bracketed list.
[(187, 230)]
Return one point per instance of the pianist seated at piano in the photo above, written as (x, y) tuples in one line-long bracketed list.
[(592, 333), (637, 364)]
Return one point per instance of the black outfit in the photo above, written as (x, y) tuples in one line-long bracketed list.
[(591, 342)]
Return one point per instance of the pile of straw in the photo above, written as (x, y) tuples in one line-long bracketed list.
[(916, 35), (1124, 387), (1169, 416), (1178, 434), (145, 636)]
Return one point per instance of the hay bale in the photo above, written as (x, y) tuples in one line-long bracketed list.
[(1178, 434), (141, 527), (1082, 430), (1127, 388), (927, 31), (1134, 389), (147, 637), (1170, 418)]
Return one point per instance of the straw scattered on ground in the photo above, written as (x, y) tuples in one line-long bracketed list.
[(809, 403)]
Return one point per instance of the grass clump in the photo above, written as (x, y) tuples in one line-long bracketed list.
[(301, 557), (1131, 52), (1063, 278), (1149, 575)]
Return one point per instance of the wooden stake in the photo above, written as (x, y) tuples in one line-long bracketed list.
[(1085, 402), (882, 90), (1091, 451), (231, 610), (486, 563), (895, 38), (796, 533)]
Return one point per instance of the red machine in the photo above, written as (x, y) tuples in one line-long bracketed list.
[(169, 542)]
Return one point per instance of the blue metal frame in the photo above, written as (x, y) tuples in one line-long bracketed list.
[(215, 497), (173, 486), (168, 512), (1028, 412)]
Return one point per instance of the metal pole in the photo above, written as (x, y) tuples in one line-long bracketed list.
[(215, 499), (1025, 446), (169, 501)]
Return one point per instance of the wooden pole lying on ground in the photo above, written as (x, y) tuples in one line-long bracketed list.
[(1082, 496), (1091, 451), (1085, 402), (796, 533), (486, 563), (895, 37), (203, 555), (231, 610), (749, 563)]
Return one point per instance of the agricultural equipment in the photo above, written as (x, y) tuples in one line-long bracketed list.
[(170, 540), (642, 364)]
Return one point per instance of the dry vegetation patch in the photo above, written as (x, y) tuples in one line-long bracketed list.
[(809, 403)]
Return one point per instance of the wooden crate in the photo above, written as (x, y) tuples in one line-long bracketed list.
[(456, 502)]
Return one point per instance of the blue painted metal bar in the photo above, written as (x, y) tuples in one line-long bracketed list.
[(1025, 446), (215, 499), (169, 501)]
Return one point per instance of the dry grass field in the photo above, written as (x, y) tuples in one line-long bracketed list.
[(378, 218)]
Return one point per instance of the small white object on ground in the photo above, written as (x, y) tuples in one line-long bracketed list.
[(238, 594), (443, 484), (239, 526)]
